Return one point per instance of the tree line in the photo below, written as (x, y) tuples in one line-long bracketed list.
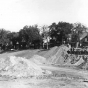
[(64, 32), (33, 36)]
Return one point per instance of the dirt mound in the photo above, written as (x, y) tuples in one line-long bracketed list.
[(84, 65), (55, 56), (48, 53), (38, 59), (80, 61), (59, 56), (19, 67)]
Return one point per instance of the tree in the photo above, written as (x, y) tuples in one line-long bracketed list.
[(30, 35), (59, 32), (14, 40), (77, 30), (4, 40)]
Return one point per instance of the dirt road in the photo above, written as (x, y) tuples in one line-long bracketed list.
[(66, 70), (64, 78)]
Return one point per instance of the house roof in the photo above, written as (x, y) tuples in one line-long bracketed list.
[(82, 36)]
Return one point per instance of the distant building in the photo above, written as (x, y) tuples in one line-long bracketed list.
[(84, 39), (83, 42)]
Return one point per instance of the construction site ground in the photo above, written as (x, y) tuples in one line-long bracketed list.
[(60, 76)]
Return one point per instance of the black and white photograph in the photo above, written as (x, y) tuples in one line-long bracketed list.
[(43, 43)]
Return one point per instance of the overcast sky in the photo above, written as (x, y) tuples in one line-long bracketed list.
[(15, 14)]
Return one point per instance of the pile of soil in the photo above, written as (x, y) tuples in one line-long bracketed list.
[(59, 56), (79, 61), (48, 53), (55, 56), (84, 64), (38, 59), (19, 67)]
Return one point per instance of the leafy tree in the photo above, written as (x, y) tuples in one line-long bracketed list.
[(30, 35), (14, 40), (59, 32), (77, 30), (4, 40)]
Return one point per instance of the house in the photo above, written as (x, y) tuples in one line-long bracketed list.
[(84, 39)]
